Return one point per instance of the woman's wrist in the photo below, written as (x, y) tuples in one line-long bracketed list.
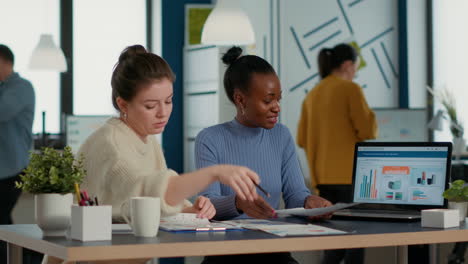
[(237, 207), (212, 172)]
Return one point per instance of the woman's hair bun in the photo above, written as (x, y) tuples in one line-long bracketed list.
[(231, 55), (131, 52)]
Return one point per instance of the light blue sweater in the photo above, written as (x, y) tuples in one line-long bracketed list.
[(16, 119), (270, 153)]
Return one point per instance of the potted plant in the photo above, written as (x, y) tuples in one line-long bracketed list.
[(447, 100), (457, 195), (51, 176)]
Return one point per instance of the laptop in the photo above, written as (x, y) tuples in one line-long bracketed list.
[(396, 180)]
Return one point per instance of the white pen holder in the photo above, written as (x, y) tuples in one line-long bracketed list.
[(91, 223), (440, 218)]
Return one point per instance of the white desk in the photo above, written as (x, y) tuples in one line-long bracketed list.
[(361, 234)]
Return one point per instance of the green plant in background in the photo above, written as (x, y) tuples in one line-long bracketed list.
[(458, 192), (448, 101), (362, 62), (52, 171)]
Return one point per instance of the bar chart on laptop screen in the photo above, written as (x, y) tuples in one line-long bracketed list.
[(368, 188), (400, 175)]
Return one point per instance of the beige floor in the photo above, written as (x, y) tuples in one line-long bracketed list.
[(24, 214)]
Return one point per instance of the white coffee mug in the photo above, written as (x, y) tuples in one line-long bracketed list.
[(145, 213)]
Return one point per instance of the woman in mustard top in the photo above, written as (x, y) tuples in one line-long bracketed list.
[(335, 116)]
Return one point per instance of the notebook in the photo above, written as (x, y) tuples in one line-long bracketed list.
[(396, 180)]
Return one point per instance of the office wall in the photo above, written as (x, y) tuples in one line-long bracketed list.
[(173, 23), (261, 14), (309, 26), (417, 53), (290, 34)]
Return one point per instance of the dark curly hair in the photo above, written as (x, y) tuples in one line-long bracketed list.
[(240, 70)]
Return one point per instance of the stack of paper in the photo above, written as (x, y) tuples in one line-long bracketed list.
[(182, 223), (189, 222), (283, 228), (314, 211)]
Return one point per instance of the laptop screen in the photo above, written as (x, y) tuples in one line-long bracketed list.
[(401, 173)]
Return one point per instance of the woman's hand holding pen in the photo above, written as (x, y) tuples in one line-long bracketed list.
[(258, 208), (202, 207), (241, 179)]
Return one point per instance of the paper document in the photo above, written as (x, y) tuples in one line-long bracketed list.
[(314, 211), (182, 222), (189, 222), (121, 229), (283, 228), (300, 230)]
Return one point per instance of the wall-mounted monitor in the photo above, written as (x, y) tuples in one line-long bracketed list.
[(79, 127), (402, 125)]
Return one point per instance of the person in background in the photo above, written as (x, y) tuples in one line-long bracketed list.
[(335, 116), (123, 159), (254, 139), (17, 102)]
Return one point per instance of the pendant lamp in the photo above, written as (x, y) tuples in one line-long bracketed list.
[(227, 24), (47, 56)]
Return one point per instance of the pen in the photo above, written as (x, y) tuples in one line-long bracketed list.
[(263, 190), (85, 194), (77, 193), (83, 200)]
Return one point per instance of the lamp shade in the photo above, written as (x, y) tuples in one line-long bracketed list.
[(47, 56), (227, 24), (437, 121)]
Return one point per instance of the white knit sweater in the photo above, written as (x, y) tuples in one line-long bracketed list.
[(120, 165)]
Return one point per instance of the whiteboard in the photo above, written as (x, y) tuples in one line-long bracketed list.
[(308, 26), (79, 127), (403, 125)]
